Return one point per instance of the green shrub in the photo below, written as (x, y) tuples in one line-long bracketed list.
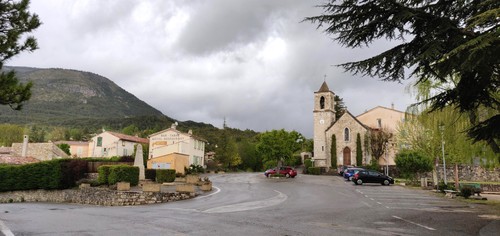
[(165, 175), (442, 186), (194, 169), (466, 191), (123, 173), (72, 171), (54, 174), (103, 171), (412, 164), (307, 165), (314, 170), (150, 174)]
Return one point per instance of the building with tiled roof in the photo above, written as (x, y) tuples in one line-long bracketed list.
[(346, 130), (109, 144), (171, 141)]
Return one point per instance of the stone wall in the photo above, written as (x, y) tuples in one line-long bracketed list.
[(93, 196), (40, 151), (469, 173)]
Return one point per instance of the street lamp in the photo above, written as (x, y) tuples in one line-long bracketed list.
[(441, 128)]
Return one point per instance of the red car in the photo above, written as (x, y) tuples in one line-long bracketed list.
[(287, 171)]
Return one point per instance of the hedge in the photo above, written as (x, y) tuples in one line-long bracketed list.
[(54, 174), (103, 171), (165, 175), (150, 174), (314, 170), (123, 173)]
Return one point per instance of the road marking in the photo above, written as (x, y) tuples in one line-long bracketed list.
[(411, 222), (245, 206), (379, 203), (6, 231), (372, 199), (218, 190), (366, 204)]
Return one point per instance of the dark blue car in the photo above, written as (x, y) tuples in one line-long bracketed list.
[(349, 172)]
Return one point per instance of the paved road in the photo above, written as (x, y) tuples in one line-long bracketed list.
[(250, 204)]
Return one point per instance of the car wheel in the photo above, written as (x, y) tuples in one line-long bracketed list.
[(386, 182), (359, 181), (287, 175)]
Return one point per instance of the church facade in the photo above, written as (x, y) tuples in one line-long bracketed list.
[(346, 129)]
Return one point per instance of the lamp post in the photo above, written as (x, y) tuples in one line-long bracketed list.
[(441, 128)]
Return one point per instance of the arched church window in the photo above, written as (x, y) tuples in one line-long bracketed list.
[(346, 134), (322, 102)]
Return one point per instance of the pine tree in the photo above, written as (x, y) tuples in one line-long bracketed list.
[(440, 40), (15, 20)]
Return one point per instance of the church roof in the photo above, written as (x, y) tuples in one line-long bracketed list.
[(347, 113), (324, 87)]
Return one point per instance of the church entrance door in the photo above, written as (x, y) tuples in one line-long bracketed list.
[(347, 156)]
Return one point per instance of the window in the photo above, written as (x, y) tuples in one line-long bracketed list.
[(379, 122), (346, 134), (322, 103), (322, 148), (99, 141)]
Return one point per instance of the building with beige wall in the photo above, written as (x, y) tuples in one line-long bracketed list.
[(173, 141), (109, 144), (346, 130), (176, 161), (78, 149)]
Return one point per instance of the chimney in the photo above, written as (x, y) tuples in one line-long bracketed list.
[(25, 145)]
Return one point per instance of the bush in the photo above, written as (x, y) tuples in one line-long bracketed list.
[(466, 191), (123, 173), (72, 171), (314, 170), (150, 174), (54, 174), (103, 171), (442, 186), (165, 175), (307, 165), (412, 164), (194, 169)]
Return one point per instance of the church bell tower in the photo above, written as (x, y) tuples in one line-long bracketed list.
[(324, 117)]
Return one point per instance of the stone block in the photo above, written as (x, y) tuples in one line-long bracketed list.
[(123, 186), (151, 187), (184, 188), (192, 179), (83, 186), (206, 186)]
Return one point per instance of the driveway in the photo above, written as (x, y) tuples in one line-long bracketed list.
[(251, 204)]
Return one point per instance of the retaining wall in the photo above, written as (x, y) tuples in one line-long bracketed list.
[(93, 196)]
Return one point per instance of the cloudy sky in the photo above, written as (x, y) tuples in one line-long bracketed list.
[(252, 62)]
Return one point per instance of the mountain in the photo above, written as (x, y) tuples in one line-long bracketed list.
[(62, 97)]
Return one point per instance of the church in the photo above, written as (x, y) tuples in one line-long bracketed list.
[(346, 129)]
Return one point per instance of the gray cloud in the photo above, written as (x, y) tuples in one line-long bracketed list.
[(252, 62)]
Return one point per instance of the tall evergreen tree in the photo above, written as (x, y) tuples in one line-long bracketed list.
[(446, 39), (359, 151), (339, 107), (333, 151), (15, 22)]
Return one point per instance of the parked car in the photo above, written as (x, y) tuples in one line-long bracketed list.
[(287, 171), (371, 176), (349, 172), (341, 169)]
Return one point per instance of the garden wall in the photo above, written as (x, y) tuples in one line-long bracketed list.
[(469, 173), (93, 196)]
